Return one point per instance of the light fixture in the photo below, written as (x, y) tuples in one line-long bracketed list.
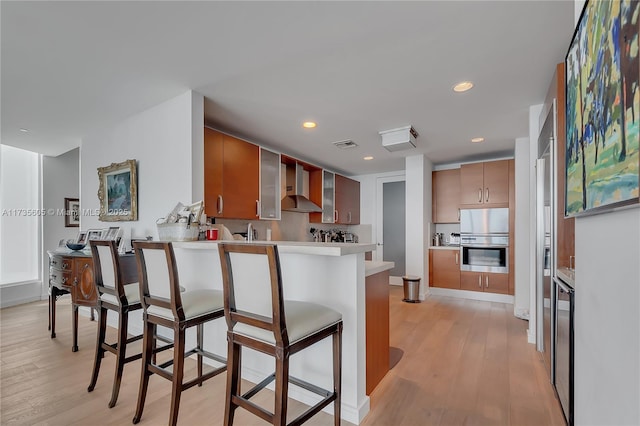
[(24, 130), (309, 124), (476, 140), (368, 157), (463, 86)]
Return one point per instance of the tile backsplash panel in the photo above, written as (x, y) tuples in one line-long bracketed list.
[(292, 227)]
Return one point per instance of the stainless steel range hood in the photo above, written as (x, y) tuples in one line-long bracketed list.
[(295, 201)]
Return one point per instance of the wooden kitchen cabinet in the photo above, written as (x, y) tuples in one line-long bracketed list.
[(485, 282), (485, 184), (347, 200), (446, 196), (444, 268), (231, 176)]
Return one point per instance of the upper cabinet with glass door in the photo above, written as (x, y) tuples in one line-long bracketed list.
[(269, 185)]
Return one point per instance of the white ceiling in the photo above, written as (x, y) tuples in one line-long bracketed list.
[(70, 69)]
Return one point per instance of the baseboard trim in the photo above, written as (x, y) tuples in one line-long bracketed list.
[(474, 295)]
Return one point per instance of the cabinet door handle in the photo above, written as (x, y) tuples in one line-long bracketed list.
[(480, 281), (220, 204), (257, 208), (335, 216), (486, 281), (486, 197), (479, 195), (458, 215), (64, 280), (457, 258), (349, 217)]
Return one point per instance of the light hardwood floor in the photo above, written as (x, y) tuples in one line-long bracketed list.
[(462, 362)]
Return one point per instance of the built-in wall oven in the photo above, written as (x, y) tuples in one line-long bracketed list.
[(484, 240)]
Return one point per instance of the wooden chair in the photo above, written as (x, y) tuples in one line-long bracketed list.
[(277, 327), (164, 304), (113, 295)]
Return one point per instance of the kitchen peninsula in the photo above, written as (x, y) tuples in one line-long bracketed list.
[(332, 274)]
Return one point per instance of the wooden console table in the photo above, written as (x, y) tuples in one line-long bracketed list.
[(72, 272)]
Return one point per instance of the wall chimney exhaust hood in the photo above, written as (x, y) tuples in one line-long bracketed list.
[(399, 139), (295, 201)]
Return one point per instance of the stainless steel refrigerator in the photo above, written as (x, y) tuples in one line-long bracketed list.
[(545, 241)]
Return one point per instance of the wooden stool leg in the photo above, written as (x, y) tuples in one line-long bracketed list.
[(121, 354), (178, 372), (149, 335), (282, 388), (337, 375), (200, 333), (102, 327), (234, 359)]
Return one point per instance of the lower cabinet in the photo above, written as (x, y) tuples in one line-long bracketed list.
[(444, 271), (484, 281)]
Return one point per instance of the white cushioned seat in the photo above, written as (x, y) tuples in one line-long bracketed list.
[(303, 319), (194, 303), (131, 291)]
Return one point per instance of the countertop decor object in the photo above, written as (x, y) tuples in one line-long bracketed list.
[(75, 246), (118, 192)]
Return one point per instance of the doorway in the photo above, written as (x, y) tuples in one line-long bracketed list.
[(391, 225)]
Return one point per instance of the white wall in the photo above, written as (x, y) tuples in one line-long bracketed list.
[(607, 329), (607, 319), (167, 141), (522, 278), (418, 217), (60, 180)]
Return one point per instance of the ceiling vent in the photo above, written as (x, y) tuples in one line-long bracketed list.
[(348, 144), (399, 139)]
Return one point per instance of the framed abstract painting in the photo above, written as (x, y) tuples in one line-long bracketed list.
[(603, 109)]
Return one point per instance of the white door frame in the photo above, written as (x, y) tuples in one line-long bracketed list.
[(380, 181)]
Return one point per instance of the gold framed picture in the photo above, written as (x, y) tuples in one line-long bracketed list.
[(118, 192)]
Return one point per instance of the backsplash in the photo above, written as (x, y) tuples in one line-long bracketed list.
[(292, 227)]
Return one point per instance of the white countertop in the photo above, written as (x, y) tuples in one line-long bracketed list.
[(372, 267), (321, 249), (444, 247)]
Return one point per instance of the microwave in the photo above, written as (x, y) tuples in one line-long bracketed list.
[(484, 253)]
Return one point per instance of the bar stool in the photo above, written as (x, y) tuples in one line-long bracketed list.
[(164, 304), (267, 323), (118, 297)]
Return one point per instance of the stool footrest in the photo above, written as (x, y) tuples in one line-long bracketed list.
[(257, 388)]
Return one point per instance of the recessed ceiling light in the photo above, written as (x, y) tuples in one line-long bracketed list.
[(463, 86), (368, 157), (24, 130), (475, 140), (309, 124)]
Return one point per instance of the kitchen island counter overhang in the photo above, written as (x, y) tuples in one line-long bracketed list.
[(331, 274)]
